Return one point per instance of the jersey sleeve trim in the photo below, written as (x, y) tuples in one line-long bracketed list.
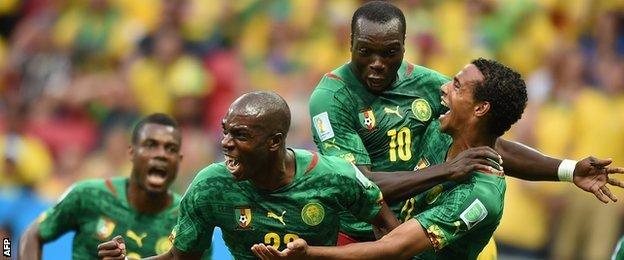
[(409, 70), (335, 77), (109, 185), (312, 163)]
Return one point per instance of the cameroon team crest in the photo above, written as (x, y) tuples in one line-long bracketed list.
[(421, 109), (367, 119), (243, 217), (104, 228), (312, 213)]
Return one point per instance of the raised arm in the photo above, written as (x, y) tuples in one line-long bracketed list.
[(30, 243), (399, 186), (590, 174)]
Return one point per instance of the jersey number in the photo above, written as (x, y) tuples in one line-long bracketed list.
[(401, 144), (273, 239)]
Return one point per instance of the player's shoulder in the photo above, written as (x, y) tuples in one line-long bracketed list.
[(488, 191), (338, 168), (215, 173), (97, 184), (330, 163), (421, 72), (425, 78), (333, 85)]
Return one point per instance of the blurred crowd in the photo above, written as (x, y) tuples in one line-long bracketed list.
[(76, 74)]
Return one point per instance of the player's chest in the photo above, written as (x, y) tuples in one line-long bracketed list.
[(144, 234), (386, 116), (276, 219)]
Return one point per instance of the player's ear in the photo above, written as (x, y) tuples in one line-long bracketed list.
[(276, 141), (482, 108), (130, 151), (351, 42)]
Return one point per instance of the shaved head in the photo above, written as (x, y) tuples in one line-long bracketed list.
[(269, 108)]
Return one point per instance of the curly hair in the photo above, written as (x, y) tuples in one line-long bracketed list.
[(506, 92), (379, 12)]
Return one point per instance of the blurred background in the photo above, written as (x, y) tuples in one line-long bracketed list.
[(76, 74)]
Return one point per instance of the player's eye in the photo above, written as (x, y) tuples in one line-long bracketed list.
[(172, 148), (363, 51)]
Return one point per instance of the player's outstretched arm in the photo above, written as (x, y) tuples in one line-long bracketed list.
[(404, 242), (30, 243), (590, 174), (399, 186), (115, 249)]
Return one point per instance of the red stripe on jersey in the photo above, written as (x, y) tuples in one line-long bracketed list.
[(312, 163), (109, 185), (409, 70), (334, 76)]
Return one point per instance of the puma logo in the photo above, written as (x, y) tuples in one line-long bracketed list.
[(395, 111), (275, 216), (138, 239)]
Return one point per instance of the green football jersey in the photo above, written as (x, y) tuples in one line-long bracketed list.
[(383, 131), (306, 208), (618, 253), (98, 210), (458, 217)]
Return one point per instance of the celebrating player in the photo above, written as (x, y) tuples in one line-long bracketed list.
[(264, 192), (457, 219), (141, 208), (374, 111)]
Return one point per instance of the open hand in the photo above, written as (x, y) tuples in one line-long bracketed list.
[(113, 249), (482, 159), (592, 175), (294, 250)]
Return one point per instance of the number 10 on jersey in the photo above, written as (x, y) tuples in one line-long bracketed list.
[(400, 144)]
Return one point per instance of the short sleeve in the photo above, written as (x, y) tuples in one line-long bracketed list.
[(468, 210), (333, 127), (61, 218), (192, 233), (361, 196)]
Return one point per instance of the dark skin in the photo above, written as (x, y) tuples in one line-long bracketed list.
[(466, 123), (377, 51), (157, 151), (254, 147)]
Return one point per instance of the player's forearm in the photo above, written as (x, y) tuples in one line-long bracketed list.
[(526, 163), (30, 243), (399, 186), (363, 251)]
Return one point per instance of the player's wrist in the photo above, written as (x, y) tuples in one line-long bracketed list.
[(565, 171)]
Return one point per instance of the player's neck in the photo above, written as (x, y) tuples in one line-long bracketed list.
[(145, 202), (467, 140), (277, 174)]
